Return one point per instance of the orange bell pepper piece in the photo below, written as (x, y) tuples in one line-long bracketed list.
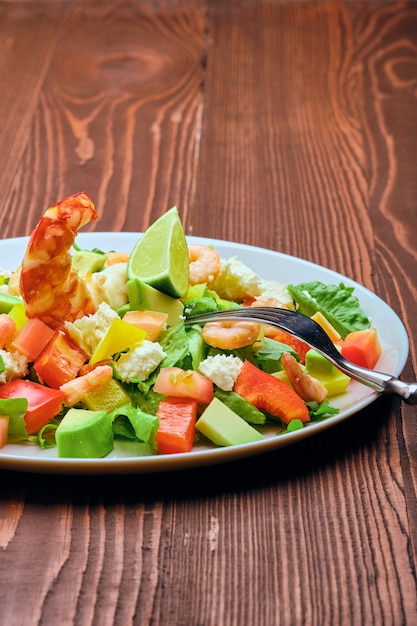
[(270, 394), (60, 361)]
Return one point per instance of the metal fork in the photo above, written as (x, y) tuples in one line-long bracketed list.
[(312, 334)]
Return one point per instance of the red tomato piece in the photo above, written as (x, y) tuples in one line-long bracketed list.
[(177, 418), (179, 383), (43, 403), (60, 361)]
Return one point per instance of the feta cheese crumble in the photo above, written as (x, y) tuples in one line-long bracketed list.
[(110, 285), (15, 365), (140, 362), (222, 370), (236, 280), (89, 330)]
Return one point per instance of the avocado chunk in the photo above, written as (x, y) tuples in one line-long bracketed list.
[(7, 302), (317, 364), (224, 427), (333, 379), (240, 406), (84, 434), (146, 298), (88, 261)]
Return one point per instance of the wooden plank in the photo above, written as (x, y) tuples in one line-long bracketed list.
[(25, 56), (288, 125), (118, 113)]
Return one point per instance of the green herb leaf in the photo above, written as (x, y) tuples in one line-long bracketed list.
[(317, 411)]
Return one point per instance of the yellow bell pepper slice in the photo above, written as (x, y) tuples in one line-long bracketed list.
[(119, 337)]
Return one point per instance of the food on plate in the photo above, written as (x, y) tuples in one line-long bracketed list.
[(96, 348)]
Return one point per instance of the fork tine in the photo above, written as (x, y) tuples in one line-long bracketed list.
[(267, 315)]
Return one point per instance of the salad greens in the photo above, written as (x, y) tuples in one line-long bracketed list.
[(336, 302)]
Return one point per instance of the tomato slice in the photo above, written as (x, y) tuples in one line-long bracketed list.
[(179, 383), (177, 418), (43, 403)]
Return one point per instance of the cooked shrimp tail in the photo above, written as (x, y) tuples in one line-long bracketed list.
[(307, 387), (230, 335), (204, 264), (76, 389), (50, 287)]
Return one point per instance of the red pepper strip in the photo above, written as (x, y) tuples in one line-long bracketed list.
[(269, 394), (60, 361)]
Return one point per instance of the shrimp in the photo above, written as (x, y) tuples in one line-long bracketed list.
[(76, 389), (7, 329), (228, 335), (50, 287), (307, 387), (116, 257), (204, 264), (268, 302), (269, 331)]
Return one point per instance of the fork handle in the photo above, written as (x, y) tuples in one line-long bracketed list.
[(377, 380), (406, 391)]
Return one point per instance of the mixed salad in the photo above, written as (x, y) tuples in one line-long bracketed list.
[(121, 360)]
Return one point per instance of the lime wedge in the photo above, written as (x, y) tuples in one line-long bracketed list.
[(160, 257)]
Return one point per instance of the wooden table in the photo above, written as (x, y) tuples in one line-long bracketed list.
[(288, 125)]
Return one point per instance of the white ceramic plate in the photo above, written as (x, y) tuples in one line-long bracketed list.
[(271, 266)]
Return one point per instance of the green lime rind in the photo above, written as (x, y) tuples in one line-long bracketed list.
[(160, 257)]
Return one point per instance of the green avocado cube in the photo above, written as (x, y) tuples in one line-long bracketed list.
[(335, 384), (317, 364), (7, 302), (84, 434), (224, 427), (143, 297), (88, 261)]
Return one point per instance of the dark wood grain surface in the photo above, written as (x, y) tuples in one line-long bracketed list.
[(290, 125)]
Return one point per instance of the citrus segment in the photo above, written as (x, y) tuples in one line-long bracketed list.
[(160, 257)]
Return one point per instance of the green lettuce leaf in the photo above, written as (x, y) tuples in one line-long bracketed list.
[(268, 358), (130, 423), (336, 302)]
